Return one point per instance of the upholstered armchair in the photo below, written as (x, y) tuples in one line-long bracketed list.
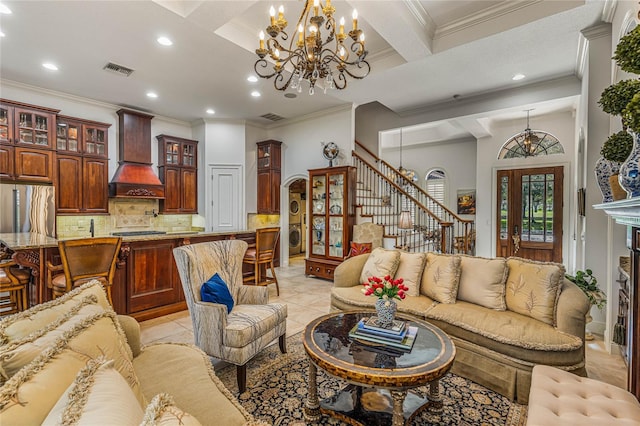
[(252, 324)]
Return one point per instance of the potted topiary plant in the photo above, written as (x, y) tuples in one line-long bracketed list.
[(615, 98), (589, 285), (626, 54)]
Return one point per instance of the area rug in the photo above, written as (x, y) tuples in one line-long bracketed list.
[(277, 391)]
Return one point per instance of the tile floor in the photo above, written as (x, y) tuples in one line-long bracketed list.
[(308, 298)]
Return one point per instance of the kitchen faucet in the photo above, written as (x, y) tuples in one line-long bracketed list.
[(91, 228)]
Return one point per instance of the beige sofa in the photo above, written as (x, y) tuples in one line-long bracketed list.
[(62, 362), (504, 315)]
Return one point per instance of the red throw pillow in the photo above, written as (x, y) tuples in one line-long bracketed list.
[(359, 248)]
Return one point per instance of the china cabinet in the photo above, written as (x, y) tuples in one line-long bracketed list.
[(178, 170), (26, 142), (331, 215), (269, 162), (82, 166)]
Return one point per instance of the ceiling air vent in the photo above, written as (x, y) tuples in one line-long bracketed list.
[(118, 69), (272, 117)]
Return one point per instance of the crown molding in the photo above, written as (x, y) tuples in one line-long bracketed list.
[(88, 101), (597, 31), (488, 14), (608, 10), (421, 16)]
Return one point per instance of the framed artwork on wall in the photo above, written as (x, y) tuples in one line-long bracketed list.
[(466, 201)]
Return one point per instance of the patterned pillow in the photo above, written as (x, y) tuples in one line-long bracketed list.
[(441, 277), (40, 383), (90, 398), (380, 263), (482, 281), (359, 248), (410, 270), (24, 323), (533, 288), (162, 411)]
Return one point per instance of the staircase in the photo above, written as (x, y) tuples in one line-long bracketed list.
[(383, 193)]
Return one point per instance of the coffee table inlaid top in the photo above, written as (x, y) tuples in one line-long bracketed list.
[(327, 342)]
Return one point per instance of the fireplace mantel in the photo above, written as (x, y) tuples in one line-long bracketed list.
[(625, 212)]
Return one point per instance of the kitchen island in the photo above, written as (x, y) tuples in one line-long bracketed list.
[(146, 284)]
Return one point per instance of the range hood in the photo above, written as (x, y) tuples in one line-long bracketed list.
[(135, 177)]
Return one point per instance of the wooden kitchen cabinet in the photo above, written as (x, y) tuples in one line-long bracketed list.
[(269, 169), (83, 166), (26, 142), (33, 165), (332, 216), (178, 171)]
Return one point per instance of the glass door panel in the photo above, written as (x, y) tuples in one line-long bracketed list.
[(318, 245), (187, 155), (319, 195), (173, 153), (61, 137), (335, 236), (336, 194), (41, 130), (4, 124), (504, 206)]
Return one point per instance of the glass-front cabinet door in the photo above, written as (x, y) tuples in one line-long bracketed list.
[(319, 241), (172, 156), (188, 154), (6, 133), (33, 128), (95, 141), (67, 134)]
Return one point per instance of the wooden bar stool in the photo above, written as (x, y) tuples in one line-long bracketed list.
[(261, 256), (84, 260), (14, 285)]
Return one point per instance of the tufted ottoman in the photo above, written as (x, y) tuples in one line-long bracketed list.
[(561, 398)]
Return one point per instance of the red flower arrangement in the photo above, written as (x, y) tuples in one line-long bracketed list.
[(385, 288)]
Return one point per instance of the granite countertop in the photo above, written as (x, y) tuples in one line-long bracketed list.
[(27, 240)]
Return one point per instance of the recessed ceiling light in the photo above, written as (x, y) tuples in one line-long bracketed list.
[(5, 10), (517, 77), (255, 94), (210, 111), (252, 78), (165, 41), (152, 95), (50, 66)]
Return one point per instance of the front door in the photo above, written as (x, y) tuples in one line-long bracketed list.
[(529, 213)]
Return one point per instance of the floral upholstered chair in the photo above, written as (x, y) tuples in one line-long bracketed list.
[(252, 323)]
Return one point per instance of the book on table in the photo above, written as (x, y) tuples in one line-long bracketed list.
[(371, 323), (406, 344), (381, 332)]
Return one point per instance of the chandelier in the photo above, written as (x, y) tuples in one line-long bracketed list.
[(312, 55)]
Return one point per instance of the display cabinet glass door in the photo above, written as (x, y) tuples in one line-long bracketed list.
[(5, 124), (172, 154), (67, 137), (94, 141), (319, 243), (335, 236), (188, 155), (33, 128)]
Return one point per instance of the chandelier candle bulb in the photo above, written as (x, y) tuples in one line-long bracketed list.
[(355, 19), (272, 13), (342, 25), (316, 6), (261, 35), (300, 35)]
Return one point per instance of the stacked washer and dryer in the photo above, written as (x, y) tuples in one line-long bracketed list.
[(297, 231)]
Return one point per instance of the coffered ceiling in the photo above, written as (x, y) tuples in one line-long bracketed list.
[(422, 53)]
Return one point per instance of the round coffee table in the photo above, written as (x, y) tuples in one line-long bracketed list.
[(379, 379)]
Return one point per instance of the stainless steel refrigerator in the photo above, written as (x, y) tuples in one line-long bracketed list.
[(27, 208)]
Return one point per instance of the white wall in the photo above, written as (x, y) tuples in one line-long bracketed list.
[(89, 109), (562, 126), (458, 160)]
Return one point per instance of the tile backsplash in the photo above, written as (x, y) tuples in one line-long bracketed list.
[(125, 215), (255, 221)]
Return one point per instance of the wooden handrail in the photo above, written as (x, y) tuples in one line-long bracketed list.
[(419, 189)]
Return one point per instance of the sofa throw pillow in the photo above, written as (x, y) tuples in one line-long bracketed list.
[(441, 277), (39, 384), (359, 248), (162, 411), (410, 270), (533, 288), (215, 290), (98, 395), (380, 263), (26, 322), (482, 281)]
